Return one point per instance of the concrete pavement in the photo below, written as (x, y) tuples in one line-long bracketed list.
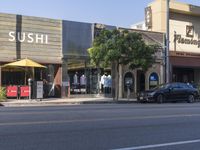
[(62, 101)]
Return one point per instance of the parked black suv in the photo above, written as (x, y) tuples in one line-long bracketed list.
[(170, 92)]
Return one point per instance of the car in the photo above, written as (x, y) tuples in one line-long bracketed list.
[(170, 92)]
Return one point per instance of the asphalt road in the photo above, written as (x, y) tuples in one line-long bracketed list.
[(173, 126)]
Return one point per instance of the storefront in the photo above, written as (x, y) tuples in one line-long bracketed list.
[(62, 46), (80, 76), (59, 45), (184, 37), (138, 79), (38, 39)]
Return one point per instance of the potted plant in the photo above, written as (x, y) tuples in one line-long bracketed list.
[(2, 94)]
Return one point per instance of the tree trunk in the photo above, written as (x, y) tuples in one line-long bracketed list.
[(113, 73), (117, 92)]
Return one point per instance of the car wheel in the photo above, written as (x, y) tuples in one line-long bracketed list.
[(160, 99), (191, 99)]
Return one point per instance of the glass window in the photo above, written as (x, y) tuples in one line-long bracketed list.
[(83, 77), (129, 81)]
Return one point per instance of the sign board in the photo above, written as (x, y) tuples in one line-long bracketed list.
[(153, 80), (11, 91), (39, 93), (24, 91), (28, 37), (148, 17)]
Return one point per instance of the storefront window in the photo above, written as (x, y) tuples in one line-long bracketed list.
[(48, 76), (128, 81), (153, 80), (9, 76), (83, 78)]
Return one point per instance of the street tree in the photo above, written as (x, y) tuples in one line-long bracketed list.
[(121, 47)]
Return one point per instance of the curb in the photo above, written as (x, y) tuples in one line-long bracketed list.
[(40, 103)]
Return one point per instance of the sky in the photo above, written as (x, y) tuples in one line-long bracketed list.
[(122, 13)]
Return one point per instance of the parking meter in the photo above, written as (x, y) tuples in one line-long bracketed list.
[(128, 85), (30, 84)]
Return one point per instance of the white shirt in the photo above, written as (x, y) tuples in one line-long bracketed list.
[(103, 79), (83, 80), (75, 79)]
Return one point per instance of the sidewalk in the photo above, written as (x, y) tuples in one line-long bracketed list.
[(62, 101)]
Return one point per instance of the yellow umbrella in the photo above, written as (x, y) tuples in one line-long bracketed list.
[(24, 63)]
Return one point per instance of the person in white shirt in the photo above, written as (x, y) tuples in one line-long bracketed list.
[(102, 82)]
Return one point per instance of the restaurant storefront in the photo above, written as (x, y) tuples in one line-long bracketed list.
[(38, 39), (61, 46)]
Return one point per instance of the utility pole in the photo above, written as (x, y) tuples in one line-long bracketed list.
[(167, 43)]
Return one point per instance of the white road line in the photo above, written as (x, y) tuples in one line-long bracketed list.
[(160, 145)]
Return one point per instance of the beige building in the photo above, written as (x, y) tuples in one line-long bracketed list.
[(184, 21), (144, 80)]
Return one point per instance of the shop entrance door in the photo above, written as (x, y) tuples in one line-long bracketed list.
[(140, 81)]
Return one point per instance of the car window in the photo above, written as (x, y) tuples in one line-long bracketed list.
[(183, 85), (186, 85), (162, 86), (175, 86), (192, 85)]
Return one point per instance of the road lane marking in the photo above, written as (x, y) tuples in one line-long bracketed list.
[(95, 119), (160, 145)]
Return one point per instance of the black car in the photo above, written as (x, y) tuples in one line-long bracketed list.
[(170, 92)]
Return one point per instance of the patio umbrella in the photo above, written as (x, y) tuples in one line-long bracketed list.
[(26, 63)]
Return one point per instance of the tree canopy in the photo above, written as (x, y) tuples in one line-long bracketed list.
[(123, 47)]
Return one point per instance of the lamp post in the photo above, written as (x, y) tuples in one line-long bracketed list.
[(167, 43)]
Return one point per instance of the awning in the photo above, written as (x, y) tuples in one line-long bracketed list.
[(184, 61)]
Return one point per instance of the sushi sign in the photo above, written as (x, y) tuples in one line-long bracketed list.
[(28, 37)]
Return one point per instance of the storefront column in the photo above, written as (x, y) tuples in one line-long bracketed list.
[(65, 90), (161, 74)]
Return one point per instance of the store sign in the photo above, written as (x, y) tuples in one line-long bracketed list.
[(148, 17), (39, 89), (153, 79), (190, 31), (28, 37), (189, 40)]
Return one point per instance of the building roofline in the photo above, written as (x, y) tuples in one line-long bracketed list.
[(138, 30), (185, 8)]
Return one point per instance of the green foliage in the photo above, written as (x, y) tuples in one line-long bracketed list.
[(123, 47), (2, 94)]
